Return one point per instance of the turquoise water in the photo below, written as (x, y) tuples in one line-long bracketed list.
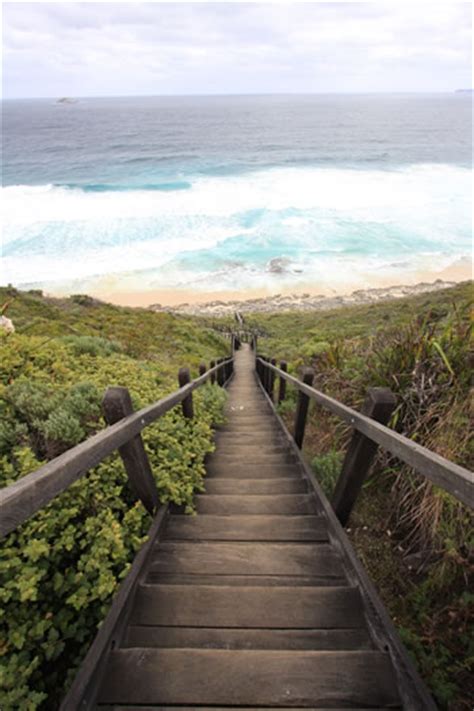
[(235, 193)]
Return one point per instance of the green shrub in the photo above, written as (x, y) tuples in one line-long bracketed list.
[(60, 569), (327, 468), (91, 345), (55, 419)]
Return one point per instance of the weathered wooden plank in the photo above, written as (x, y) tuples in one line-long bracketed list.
[(117, 404), (260, 450), (256, 607), (229, 438), (289, 504), (234, 638), (246, 470), (184, 377), (302, 407), (290, 485), (246, 580), (246, 558), (257, 677), (455, 479), (271, 380), (247, 528), (251, 458), (245, 429), (128, 707), (379, 405), (282, 387)]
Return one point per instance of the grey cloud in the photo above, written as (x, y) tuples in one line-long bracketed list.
[(128, 48)]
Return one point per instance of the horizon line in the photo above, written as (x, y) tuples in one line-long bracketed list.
[(239, 94)]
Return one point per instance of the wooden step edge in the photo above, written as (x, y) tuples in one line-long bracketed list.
[(243, 638), (269, 678), (245, 580)]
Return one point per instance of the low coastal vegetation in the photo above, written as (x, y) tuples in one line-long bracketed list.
[(59, 570), (415, 539)]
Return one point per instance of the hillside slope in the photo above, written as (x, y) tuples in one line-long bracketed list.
[(415, 539), (60, 569)]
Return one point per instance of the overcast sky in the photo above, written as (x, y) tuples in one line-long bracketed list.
[(112, 49)]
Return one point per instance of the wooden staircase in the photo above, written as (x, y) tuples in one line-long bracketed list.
[(249, 603)]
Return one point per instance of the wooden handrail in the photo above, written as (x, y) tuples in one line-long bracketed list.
[(455, 479), (24, 498)]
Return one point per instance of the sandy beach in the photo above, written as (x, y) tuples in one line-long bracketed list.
[(260, 300), (302, 302)]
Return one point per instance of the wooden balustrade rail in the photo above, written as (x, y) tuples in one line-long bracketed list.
[(19, 501), (455, 479)]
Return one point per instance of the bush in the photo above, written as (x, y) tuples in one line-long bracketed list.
[(60, 569), (327, 468), (91, 345), (54, 419)]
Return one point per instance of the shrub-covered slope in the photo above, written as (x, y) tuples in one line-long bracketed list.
[(415, 539), (59, 570)]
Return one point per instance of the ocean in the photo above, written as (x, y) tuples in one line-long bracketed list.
[(224, 194)]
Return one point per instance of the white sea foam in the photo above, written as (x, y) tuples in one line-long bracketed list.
[(326, 221)]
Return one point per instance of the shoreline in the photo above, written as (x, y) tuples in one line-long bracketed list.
[(305, 301), (303, 297), (116, 290)]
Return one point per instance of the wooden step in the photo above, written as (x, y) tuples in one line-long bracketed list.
[(210, 527), (282, 581), (246, 558), (254, 607), (234, 638), (251, 456), (243, 440), (275, 678), (160, 707), (248, 425), (222, 504), (290, 485), (243, 470), (248, 452)]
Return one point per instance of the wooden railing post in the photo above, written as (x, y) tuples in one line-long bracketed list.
[(202, 368), (282, 388), (213, 375), (264, 374), (117, 404), (302, 408), (271, 380), (220, 372), (227, 370), (268, 376), (379, 405), (184, 378)]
